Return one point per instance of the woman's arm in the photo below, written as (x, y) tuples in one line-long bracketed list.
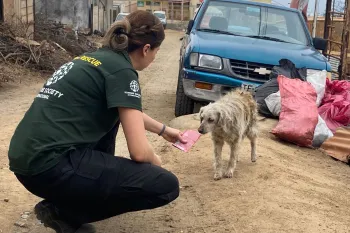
[(170, 134), (134, 129), (152, 125)]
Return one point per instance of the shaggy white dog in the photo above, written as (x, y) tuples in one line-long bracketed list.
[(230, 120)]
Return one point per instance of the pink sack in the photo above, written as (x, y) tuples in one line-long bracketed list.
[(299, 116), (335, 106)]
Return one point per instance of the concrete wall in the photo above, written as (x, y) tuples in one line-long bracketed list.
[(126, 6), (9, 9), (157, 6), (15, 10), (26, 8), (76, 13), (71, 12), (20, 9), (102, 15)]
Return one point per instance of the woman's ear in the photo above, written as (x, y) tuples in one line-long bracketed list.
[(146, 49)]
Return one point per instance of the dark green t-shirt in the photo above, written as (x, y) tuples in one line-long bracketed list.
[(76, 107)]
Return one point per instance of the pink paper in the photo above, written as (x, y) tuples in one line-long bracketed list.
[(191, 136)]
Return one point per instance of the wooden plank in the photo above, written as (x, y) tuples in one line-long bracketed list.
[(335, 42)]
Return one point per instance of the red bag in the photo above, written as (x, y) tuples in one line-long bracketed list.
[(299, 116), (335, 106)]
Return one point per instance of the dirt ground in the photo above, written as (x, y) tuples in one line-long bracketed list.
[(288, 189)]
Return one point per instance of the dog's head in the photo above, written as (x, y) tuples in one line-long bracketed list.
[(209, 118)]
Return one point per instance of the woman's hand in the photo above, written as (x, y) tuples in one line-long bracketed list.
[(173, 135)]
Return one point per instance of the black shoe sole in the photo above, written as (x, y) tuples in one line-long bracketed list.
[(45, 215)]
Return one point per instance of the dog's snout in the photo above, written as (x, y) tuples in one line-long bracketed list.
[(200, 130)]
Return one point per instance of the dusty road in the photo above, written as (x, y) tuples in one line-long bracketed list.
[(289, 189)]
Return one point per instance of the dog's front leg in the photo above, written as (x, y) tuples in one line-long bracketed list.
[(218, 144), (233, 160)]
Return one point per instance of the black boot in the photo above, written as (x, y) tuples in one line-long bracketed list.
[(47, 213)]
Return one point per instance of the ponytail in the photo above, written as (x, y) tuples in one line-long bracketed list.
[(134, 31), (117, 36)]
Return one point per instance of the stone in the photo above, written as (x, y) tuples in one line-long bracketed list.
[(25, 216), (20, 224)]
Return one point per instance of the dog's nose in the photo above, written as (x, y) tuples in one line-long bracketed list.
[(200, 131)]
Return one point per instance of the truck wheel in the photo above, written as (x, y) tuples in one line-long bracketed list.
[(184, 105)]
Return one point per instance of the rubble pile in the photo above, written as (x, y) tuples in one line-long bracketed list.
[(47, 49), (73, 41)]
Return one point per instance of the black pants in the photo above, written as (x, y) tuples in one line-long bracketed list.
[(91, 184)]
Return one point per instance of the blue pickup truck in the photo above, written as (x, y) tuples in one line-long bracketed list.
[(236, 43)]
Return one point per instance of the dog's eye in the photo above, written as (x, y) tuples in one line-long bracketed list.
[(210, 120)]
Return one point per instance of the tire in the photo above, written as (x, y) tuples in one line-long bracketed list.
[(164, 26), (184, 105)]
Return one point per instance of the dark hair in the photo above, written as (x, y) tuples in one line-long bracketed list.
[(134, 31)]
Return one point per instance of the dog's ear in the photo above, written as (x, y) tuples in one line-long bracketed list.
[(218, 116), (200, 111), (200, 114)]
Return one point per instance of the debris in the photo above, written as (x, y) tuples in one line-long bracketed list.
[(285, 68), (26, 42), (6, 200), (25, 216), (242, 192), (335, 106), (97, 32), (338, 146), (322, 133), (318, 81), (20, 224), (74, 42), (51, 45), (299, 116)]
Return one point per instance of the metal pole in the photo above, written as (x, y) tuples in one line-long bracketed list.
[(172, 11), (315, 19), (345, 41), (327, 21), (182, 10)]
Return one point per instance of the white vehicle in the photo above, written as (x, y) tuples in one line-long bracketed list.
[(162, 16), (121, 16)]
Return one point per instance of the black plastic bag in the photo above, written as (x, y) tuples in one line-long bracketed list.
[(288, 69), (285, 68)]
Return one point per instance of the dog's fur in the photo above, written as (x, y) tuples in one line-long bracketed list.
[(230, 119)]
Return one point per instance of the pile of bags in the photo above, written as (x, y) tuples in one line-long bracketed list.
[(309, 106)]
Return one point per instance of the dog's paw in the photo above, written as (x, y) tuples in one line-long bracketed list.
[(218, 176), (229, 173), (253, 159)]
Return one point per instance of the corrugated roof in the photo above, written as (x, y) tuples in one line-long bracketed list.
[(338, 146)]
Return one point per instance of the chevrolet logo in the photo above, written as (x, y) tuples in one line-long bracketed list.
[(262, 71)]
